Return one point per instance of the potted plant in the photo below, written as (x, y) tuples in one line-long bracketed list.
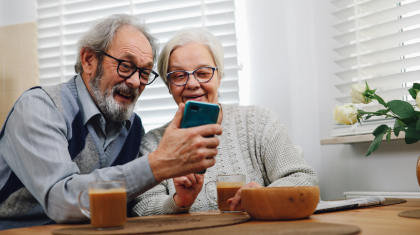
[(407, 119)]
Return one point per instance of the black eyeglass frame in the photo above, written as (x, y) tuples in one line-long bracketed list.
[(141, 70), (189, 73)]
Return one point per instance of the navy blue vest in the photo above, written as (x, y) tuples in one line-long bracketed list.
[(30, 212)]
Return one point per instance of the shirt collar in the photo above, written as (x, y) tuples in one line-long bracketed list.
[(88, 107)]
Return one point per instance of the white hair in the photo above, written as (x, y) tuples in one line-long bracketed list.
[(186, 36), (100, 35)]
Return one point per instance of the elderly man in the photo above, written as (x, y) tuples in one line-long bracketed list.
[(57, 139)]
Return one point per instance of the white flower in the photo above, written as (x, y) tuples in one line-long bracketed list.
[(345, 114), (418, 99), (356, 94)]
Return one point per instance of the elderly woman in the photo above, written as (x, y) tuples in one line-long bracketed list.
[(254, 141)]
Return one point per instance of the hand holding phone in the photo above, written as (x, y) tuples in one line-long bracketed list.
[(182, 151), (200, 113)]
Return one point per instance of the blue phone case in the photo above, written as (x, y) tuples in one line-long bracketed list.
[(199, 113)]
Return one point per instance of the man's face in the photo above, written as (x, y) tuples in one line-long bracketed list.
[(114, 95)]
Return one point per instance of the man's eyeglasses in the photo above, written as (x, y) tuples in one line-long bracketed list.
[(202, 75), (126, 69)]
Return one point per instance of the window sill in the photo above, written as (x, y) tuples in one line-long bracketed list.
[(358, 139)]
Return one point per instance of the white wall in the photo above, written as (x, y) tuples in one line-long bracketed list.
[(17, 11), (288, 67), (281, 68)]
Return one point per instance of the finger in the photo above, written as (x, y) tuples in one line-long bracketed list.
[(254, 184), (203, 164), (199, 178), (176, 121), (192, 180), (235, 200), (182, 181), (202, 154), (210, 129), (240, 206), (186, 182), (208, 153), (179, 180), (211, 142), (209, 162)]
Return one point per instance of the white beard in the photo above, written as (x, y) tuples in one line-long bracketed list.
[(109, 107)]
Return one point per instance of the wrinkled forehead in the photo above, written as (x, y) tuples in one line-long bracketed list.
[(130, 43), (194, 53)]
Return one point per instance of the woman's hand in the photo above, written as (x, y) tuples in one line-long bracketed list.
[(236, 200), (187, 189)]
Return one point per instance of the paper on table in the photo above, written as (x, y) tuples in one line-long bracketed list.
[(324, 206)]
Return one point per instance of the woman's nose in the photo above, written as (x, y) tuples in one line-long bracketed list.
[(192, 83)]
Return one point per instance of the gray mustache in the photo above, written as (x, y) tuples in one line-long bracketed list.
[(122, 87)]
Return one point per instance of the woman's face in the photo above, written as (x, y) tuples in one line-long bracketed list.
[(189, 58)]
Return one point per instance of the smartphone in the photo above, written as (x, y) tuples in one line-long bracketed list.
[(199, 113)]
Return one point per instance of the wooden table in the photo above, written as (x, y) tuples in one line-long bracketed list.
[(373, 220)]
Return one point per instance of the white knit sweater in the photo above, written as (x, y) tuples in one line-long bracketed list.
[(254, 142)]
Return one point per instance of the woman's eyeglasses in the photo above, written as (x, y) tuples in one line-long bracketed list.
[(202, 75)]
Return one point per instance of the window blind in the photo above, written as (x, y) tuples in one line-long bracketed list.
[(380, 44), (62, 22)]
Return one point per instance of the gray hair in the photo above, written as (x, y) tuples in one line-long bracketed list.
[(186, 36), (100, 35)]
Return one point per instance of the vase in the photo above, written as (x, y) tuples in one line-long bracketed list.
[(418, 171)]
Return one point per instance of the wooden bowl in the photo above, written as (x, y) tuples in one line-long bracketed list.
[(280, 203)]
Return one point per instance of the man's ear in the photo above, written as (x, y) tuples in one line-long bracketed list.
[(89, 62)]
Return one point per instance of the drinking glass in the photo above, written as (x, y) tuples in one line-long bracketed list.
[(227, 186), (108, 204)]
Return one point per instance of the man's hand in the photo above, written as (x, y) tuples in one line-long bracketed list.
[(187, 189), (236, 200), (183, 151)]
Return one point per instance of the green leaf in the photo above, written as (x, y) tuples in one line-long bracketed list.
[(401, 108), (418, 125), (375, 144), (411, 134), (397, 131), (382, 129), (388, 135), (413, 93), (380, 100), (397, 128), (368, 116), (409, 121), (416, 86), (401, 124), (414, 90), (367, 86), (379, 132)]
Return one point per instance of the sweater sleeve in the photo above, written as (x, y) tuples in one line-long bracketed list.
[(283, 165), (158, 200)]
